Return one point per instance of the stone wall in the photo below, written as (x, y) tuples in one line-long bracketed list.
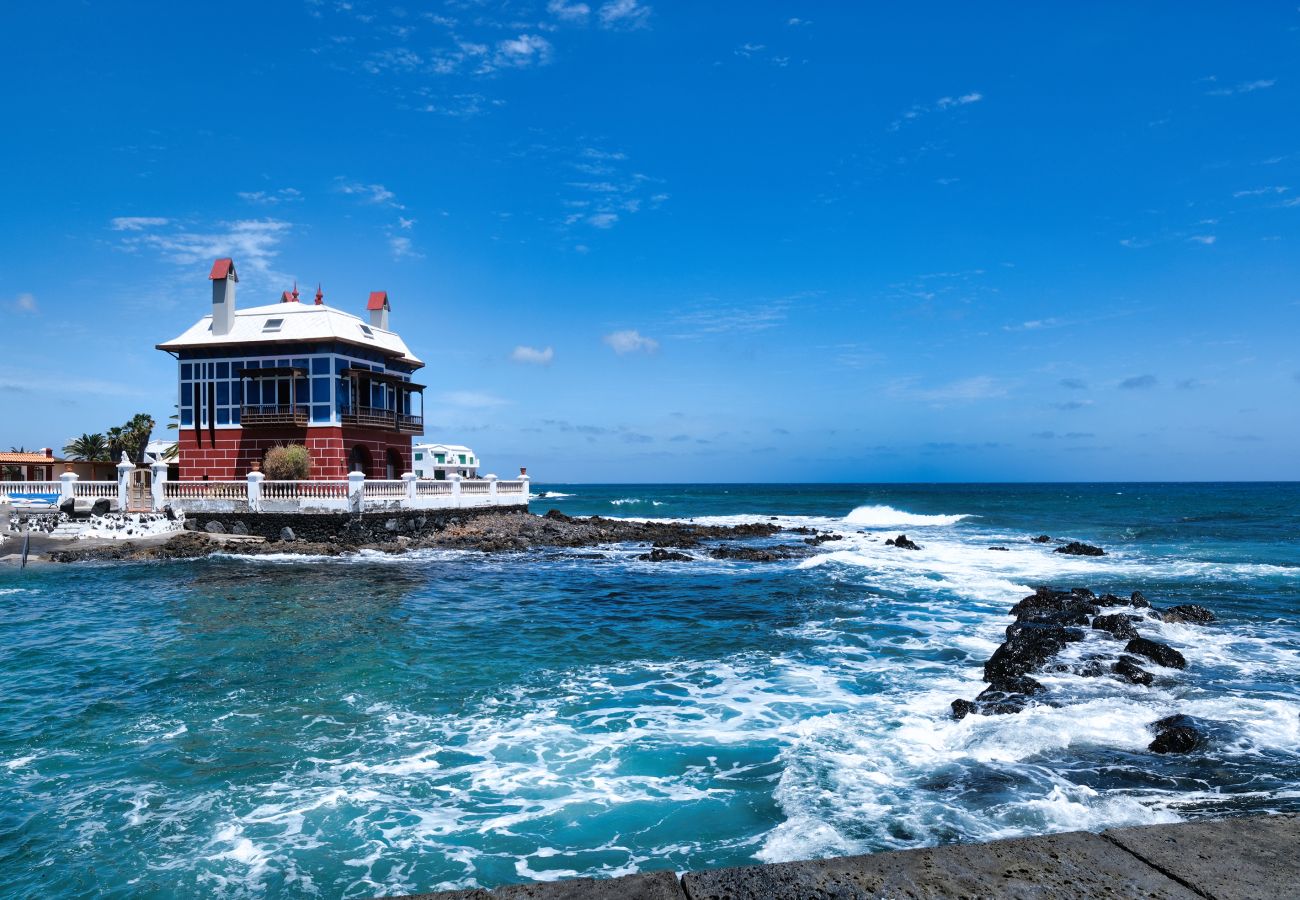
[(367, 528)]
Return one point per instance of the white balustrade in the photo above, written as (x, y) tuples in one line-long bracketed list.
[(304, 490), (510, 487), (206, 490), (95, 490), (385, 489), (433, 489), (474, 487), (34, 487)]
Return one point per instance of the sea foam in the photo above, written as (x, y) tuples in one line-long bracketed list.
[(878, 516)]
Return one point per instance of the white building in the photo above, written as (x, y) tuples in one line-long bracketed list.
[(437, 461)]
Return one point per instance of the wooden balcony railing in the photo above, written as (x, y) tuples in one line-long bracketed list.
[(378, 417), (253, 416)]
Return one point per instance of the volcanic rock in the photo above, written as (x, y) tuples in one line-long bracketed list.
[(1176, 734), (1161, 654), (1117, 625), (659, 554), (286, 534), (1190, 614), (1077, 548), (1042, 539), (214, 527), (1136, 599), (1128, 669), (100, 507), (1028, 646), (902, 543)]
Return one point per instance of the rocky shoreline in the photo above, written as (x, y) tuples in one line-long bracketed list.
[(1049, 621)]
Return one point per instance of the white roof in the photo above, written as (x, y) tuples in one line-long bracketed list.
[(450, 448), (300, 322)]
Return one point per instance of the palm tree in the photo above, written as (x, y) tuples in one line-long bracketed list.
[(138, 431), (14, 473), (91, 448)]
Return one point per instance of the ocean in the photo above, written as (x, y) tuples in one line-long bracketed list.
[(286, 726)]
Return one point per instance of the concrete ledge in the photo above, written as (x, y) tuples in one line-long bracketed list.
[(1228, 859)]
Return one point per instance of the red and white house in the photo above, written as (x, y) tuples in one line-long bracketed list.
[(294, 372)]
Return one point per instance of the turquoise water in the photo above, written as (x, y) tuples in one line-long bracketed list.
[(346, 728)]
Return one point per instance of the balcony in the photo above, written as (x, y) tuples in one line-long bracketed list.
[(387, 419), (255, 416)]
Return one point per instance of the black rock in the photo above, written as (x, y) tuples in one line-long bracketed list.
[(1084, 593), (1000, 548), (100, 507), (557, 516), (1117, 625), (1093, 668), (659, 554), (823, 538), (286, 534), (1188, 613), (1028, 646), (902, 543), (392, 525), (239, 528), (760, 554), (1111, 600), (169, 513), (1077, 548), (1176, 734), (1042, 539), (68, 505), (1056, 607), (1136, 599), (214, 527), (962, 708), (1128, 669), (1157, 652)]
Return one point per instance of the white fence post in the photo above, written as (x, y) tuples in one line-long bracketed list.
[(523, 476), (255, 480), (454, 478), (159, 486), (492, 488), (124, 469), (409, 478), (356, 492), (67, 486)]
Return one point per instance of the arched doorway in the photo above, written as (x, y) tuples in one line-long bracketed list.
[(393, 464), (359, 461)]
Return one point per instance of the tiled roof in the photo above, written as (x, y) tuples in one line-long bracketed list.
[(300, 322), (21, 459)]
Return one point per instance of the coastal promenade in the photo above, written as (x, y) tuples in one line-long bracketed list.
[(1224, 859)]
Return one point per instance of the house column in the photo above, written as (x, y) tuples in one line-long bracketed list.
[(356, 492), (67, 486), (492, 488), (409, 478), (523, 476), (454, 478), (255, 480)]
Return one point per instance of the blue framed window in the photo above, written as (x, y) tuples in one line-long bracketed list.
[(223, 370), (320, 390), (320, 413), (187, 416), (186, 369), (320, 365), (223, 416), (223, 393)]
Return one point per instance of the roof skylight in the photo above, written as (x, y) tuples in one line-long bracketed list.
[(272, 325)]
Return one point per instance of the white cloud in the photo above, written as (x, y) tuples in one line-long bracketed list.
[(1206, 239), (253, 243), (624, 14), (532, 355), (375, 194), (1260, 192), (963, 100), (471, 399), (568, 12), (403, 249), (270, 198), (521, 52), (405, 224), (137, 223), (630, 341), (603, 220), (978, 387), (940, 105), (25, 303), (1244, 87)]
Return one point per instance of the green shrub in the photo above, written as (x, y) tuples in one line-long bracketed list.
[(291, 462)]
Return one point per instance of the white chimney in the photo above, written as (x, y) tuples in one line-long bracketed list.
[(223, 278), (378, 307)]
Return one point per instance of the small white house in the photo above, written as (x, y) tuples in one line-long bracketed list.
[(437, 461)]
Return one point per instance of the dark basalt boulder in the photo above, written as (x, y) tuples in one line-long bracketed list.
[(1161, 654), (1078, 548), (1007, 549), (1128, 669), (822, 538), (1056, 607), (1117, 625), (1111, 600), (962, 708), (1176, 734), (1136, 599), (68, 506), (1042, 539), (286, 534), (1028, 646), (214, 527), (556, 516), (659, 554), (902, 543), (760, 554), (239, 528), (1190, 614), (100, 507)]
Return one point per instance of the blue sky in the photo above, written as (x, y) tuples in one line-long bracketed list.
[(678, 242)]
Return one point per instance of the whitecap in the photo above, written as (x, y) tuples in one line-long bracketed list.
[(889, 517)]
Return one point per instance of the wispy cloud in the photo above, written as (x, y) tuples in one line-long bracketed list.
[(1073, 405), (1244, 87), (254, 243), (624, 14), (607, 189), (26, 303), (977, 387), (717, 319), (533, 356), (270, 198), (1205, 239), (373, 194), (1139, 382), (943, 104), (1262, 192), (519, 53), (576, 13), (1073, 384), (137, 223), (402, 248), (630, 341)]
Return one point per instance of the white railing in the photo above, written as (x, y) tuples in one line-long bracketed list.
[(33, 487), (510, 487), (475, 487), (433, 489), (304, 490), (205, 490), (94, 490), (386, 490)]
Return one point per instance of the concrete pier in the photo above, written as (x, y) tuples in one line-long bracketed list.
[(1225, 859)]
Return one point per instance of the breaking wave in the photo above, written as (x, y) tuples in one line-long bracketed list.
[(888, 517)]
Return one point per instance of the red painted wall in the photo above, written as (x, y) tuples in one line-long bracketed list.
[(236, 449)]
